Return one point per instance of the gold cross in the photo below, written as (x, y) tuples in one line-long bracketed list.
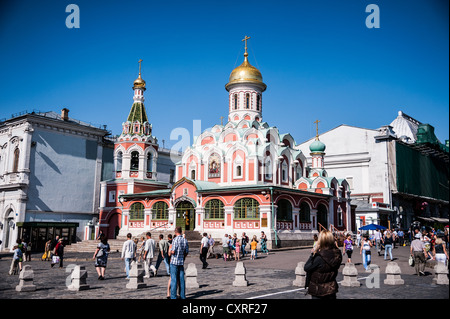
[(140, 60), (317, 128), (245, 40), (221, 120)]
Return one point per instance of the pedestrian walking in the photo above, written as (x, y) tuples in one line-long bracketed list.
[(211, 243), (140, 249), (128, 253), (388, 241), (322, 268), (253, 247), (225, 247), (439, 252), (238, 249), (231, 248), (149, 253), (365, 251), (347, 248), (263, 239), (418, 251), (47, 250), (58, 254), (178, 253), (378, 242), (204, 245), (101, 256), (244, 242), (16, 263), (163, 254), (401, 237), (28, 251)]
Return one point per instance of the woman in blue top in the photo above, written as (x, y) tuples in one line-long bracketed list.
[(101, 256)]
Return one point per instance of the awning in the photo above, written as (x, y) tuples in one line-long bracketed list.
[(427, 219), (440, 220)]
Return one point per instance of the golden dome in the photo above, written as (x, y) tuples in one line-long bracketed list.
[(139, 83), (246, 73)]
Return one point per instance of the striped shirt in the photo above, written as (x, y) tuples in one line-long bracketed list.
[(180, 248)]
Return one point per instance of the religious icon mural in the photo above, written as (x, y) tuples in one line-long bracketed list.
[(214, 166)]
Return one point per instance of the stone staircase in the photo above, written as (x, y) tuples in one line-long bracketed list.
[(193, 238)]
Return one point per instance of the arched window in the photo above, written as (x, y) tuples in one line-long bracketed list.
[(134, 164), (258, 102), (16, 160), (247, 101), (284, 210), (119, 162), (137, 211), (305, 212), (214, 209), (235, 101), (193, 174), (160, 210), (149, 162), (246, 208)]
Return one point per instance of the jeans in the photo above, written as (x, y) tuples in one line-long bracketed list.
[(127, 265), (366, 259), (177, 275), (203, 256), (378, 246), (388, 248), (166, 263)]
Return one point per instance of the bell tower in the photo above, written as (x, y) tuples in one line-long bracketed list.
[(245, 87)]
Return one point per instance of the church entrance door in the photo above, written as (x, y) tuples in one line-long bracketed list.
[(185, 215)]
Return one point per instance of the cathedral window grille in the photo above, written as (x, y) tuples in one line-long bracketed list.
[(193, 174), (235, 101), (284, 210), (246, 208), (137, 211), (134, 164), (214, 209), (160, 210), (258, 102), (247, 101), (305, 212)]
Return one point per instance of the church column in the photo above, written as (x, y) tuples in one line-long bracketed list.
[(313, 219)]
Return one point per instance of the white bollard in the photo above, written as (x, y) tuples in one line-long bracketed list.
[(78, 279), (191, 276), (26, 280), (350, 276), (300, 275), (240, 279), (136, 275), (393, 272), (441, 273)]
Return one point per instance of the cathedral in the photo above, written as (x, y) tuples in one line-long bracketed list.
[(239, 176)]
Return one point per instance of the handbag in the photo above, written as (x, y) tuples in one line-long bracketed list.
[(55, 259), (411, 261)]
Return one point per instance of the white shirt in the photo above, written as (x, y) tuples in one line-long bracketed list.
[(149, 247), (128, 249), (205, 242)]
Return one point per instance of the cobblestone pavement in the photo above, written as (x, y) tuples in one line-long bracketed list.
[(270, 276)]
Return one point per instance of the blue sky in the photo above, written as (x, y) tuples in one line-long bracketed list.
[(318, 59)]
